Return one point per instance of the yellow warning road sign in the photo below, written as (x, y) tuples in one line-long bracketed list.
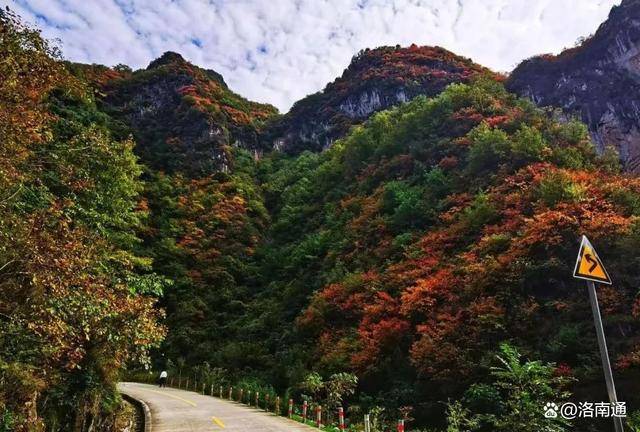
[(588, 264)]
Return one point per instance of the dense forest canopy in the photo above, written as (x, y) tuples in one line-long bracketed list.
[(420, 267), (417, 244), (76, 298)]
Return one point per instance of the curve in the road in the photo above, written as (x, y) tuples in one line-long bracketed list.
[(174, 410)]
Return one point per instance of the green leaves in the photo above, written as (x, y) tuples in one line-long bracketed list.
[(558, 187), (514, 401), (479, 213), (493, 147), (331, 392), (529, 145), (76, 299), (489, 147), (148, 284)]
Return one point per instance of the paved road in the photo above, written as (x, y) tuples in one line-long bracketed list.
[(175, 410)]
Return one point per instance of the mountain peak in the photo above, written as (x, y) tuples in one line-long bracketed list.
[(168, 57), (185, 118), (376, 79), (626, 3), (599, 80)]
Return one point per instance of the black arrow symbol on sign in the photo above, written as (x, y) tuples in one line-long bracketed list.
[(593, 262)]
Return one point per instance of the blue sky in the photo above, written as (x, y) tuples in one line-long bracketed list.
[(278, 51)]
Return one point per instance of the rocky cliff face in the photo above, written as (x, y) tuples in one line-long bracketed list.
[(599, 81), (375, 80), (184, 118)]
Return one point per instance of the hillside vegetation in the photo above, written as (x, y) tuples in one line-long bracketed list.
[(376, 79), (76, 297), (184, 118), (413, 247)]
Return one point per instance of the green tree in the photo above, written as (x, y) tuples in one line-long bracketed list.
[(338, 387), (515, 400), (76, 299)]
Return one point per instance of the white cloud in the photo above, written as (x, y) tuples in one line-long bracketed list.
[(278, 51)]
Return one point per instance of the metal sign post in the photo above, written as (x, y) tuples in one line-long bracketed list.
[(590, 268), (604, 353)]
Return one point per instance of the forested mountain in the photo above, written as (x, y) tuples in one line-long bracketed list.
[(398, 230), (198, 141), (375, 80), (597, 81), (409, 250), (183, 118)]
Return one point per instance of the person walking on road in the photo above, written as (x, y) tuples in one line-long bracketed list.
[(162, 382)]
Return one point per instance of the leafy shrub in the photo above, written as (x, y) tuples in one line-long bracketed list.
[(489, 147), (514, 401), (529, 145), (558, 187), (480, 212)]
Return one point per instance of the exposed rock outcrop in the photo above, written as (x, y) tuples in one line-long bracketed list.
[(184, 118), (599, 81), (375, 80)]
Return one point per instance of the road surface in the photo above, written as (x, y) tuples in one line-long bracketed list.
[(175, 410)]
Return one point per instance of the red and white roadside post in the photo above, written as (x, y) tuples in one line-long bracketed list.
[(290, 410), (367, 423), (305, 405), (400, 425), (341, 418), (319, 416)]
